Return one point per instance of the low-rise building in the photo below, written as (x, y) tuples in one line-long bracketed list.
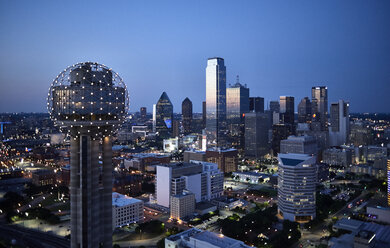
[(363, 234), (337, 156), (171, 144), (194, 155), (126, 210), (143, 161), (227, 159), (43, 177), (250, 177), (225, 203), (378, 213), (198, 238)]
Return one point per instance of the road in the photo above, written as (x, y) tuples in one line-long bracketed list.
[(32, 238)]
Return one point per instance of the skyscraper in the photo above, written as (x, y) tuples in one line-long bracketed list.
[(143, 112), (274, 106), (216, 102), (237, 103), (304, 111), (319, 103), (186, 111), (256, 134), (204, 114), (297, 187), (287, 109), (339, 123), (256, 104), (164, 116), (90, 101)]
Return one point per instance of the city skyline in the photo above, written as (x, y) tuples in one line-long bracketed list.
[(287, 56)]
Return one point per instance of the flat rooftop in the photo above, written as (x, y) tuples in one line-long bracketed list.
[(120, 200)]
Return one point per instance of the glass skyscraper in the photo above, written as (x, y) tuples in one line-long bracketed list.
[(339, 123), (237, 103), (287, 109), (186, 111), (319, 103), (164, 116), (215, 102), (304, 111)]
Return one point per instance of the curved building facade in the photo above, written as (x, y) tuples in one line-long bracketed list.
[(297, 187)]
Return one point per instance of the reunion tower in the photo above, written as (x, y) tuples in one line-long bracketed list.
[(89, 101)]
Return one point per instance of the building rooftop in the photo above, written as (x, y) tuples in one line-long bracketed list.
[(215, 239), (382, 232), (293, 159), (148, 155), (251, 173), (219, 240), (299, 138), (218, 149), (120, 200)]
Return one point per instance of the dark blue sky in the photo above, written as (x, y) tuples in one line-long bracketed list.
[(277, 48)]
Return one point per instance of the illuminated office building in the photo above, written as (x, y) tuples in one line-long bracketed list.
[(164, 116), (339, 123), (297, 178), (319, 104)]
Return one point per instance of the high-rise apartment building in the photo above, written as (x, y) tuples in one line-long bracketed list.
[(257, 126), (287, 109), (186, 111), (256, 104), (216, 102), (182, 205), (297, 180), (164, 115), (304, 111), (203, 179), (339, 123), (91, 101), (319, 104)]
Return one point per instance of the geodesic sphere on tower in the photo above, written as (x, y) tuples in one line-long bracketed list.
[(88, 94)]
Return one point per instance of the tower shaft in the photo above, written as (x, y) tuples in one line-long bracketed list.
[(91, 211)]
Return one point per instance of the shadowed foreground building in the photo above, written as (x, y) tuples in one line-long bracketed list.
[(256, 134), (89, 101)]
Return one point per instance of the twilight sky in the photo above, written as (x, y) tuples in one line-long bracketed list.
[(276, 47)]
